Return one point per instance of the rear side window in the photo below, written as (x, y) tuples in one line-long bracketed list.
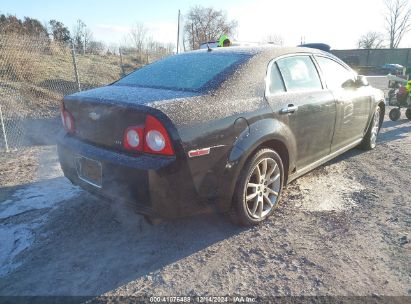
[(334, 73), (299, 74), (275, 82)]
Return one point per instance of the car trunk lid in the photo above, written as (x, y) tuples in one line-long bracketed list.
[(103, 124), (102, 115)]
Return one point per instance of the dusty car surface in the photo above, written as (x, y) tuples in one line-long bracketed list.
[(224, 129)]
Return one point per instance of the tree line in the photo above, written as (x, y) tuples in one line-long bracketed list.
[(397, 21), (80, 37), (138, 42)]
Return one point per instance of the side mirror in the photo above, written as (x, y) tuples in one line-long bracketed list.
[(361, 81), (349, 84)]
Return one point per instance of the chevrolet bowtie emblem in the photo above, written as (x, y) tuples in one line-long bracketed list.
[(94, 115)]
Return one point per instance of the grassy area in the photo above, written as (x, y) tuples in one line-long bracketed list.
[(35, 74)]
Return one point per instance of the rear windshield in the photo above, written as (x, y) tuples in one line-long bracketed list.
[(189, 72)]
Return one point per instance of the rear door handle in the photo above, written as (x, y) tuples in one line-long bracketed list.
[(289, 109)]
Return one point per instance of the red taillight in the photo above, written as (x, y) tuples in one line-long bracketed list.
[(151, 138), (156, 139), (67, 119), (133, 138)]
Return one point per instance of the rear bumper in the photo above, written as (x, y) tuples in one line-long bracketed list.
[(153, 185)]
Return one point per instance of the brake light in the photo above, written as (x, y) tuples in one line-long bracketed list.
[(156, 138), (67, 119), (151, 138)]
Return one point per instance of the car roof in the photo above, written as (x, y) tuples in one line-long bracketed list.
[(274, 51), (267, 52)]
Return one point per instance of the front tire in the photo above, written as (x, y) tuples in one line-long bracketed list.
[(370, 139), (394, 114), (408, 113), (258, 189)]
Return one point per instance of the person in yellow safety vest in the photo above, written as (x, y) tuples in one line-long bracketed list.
[(408, 88), (224, 41)]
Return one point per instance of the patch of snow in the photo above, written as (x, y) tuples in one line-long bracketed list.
[(44, 194), (51, 189), (49, 165), (14, 239), (337, 186)]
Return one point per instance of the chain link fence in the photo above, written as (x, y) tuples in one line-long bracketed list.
[(35, 74)]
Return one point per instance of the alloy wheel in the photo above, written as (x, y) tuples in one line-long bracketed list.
[(262, 188), (375, 128)]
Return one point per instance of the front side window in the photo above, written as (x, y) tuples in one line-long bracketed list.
[(191, 72), (299, 74), (335, 74)]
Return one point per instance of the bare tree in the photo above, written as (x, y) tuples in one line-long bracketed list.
[(87, 38), (150, 43), (397, 20), (82, 36), (205, 24), (170, 48), (138, 35), (96, 47), (155, 50), (113, 49), (274, 39), (371, 40), (78, 33), (124, 42)]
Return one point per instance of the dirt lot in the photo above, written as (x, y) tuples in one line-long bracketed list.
[(343, 229)]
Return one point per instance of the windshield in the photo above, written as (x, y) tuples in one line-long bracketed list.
[(191, 72)]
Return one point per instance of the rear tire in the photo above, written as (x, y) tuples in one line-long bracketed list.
[(370, 139), (408, 113), (258, 189), (394, 114)]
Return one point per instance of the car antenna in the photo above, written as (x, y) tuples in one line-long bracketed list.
[(208, 48)]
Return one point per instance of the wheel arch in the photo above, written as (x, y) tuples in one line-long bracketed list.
[(279, 147), (267, 133)]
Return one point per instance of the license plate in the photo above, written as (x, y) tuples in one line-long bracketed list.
[(89, 170)]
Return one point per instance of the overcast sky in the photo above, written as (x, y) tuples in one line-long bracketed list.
[(338, 23)]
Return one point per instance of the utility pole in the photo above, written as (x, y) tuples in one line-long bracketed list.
[(3, 127), (178, 30), (192, 31), (73, 55)]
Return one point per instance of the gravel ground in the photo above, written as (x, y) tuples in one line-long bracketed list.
[(342, 229)]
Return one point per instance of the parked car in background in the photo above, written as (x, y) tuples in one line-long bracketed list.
[(393, 69), (224, 129)]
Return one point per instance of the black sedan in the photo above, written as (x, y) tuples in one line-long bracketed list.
[(224, 129)]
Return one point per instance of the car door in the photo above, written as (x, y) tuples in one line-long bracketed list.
[(298, 99), (353, 103)]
